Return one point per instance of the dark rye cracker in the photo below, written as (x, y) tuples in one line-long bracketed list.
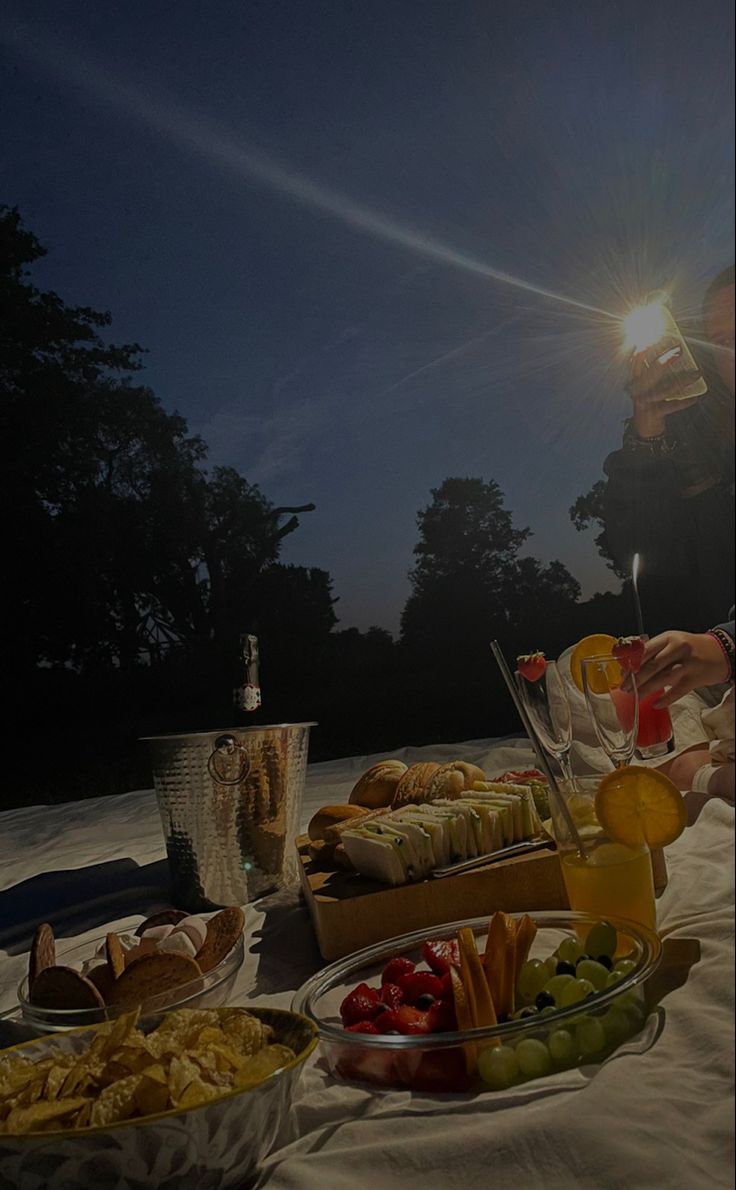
[(223, 931), (43, 951), (167, 917), (63, 987), (152, 975)]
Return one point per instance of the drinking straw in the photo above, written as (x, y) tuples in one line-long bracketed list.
[(635, 587), (538, 749)]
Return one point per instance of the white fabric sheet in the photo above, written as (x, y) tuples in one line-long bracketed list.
[(659, 1113)]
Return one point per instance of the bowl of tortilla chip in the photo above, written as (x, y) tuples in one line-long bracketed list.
[(200, 1100)]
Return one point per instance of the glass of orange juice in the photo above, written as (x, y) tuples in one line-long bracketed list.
[(611, 878)]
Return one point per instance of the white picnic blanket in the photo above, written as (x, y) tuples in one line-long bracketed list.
[(659, 1113)]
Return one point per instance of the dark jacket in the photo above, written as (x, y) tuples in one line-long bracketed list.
[(675, 507)]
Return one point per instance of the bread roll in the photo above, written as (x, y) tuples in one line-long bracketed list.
[(377, 786), (327, 816), (452, 779), (413, 783)]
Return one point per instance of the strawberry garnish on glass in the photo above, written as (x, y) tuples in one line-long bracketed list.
[(531, 666), (629, 651)]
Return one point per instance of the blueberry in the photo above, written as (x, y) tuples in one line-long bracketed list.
[(605, 961), (425, 1001), (564, 968), (544, 1000), (582, 959)]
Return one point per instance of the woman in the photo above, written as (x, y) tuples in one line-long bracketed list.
[(670, 490)]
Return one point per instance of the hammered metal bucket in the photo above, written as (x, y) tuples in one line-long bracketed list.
[(230, 803)]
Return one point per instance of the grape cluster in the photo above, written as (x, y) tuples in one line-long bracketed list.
[(569, 976)]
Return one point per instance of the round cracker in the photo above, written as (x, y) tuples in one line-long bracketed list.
[(167, 917), (43, 951), (102, 979), (151, 975), (223, 931), (145, 946), (63, 987), (114, 955)]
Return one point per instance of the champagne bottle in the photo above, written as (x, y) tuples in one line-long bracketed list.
[(247, 693)]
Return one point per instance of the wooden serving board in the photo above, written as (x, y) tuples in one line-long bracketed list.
[(349, 911)]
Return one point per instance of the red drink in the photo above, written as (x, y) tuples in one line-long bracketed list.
[(655, 725)]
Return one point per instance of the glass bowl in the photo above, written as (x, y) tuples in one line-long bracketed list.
[(441, 1061), (210, 990), (218, 1143)]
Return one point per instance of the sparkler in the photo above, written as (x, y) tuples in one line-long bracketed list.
[(635, 587)]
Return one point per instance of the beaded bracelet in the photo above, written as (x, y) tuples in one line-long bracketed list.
[(727, 648)]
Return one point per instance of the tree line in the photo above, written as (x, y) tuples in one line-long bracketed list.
[(132, 567)]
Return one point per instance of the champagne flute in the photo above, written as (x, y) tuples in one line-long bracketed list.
[(546, 704), (613, 708)]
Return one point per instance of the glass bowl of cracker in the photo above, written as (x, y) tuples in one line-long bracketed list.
[(171, 960), (200, 1099), (485, 1004)]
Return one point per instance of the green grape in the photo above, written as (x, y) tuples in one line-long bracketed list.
[(533, 1058), (614, 977), (625, 966), (616, 1025), (595, 972), (575, 991), (570, 950), (532, 978), (555, 985), (602, 939), (562, 1048), (590, 1036), (498, 1067), (547, 1010), (551, 964)]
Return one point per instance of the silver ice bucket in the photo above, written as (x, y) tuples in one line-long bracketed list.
[(230, 802)]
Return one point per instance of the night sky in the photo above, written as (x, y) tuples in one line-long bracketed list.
[(297, 207)]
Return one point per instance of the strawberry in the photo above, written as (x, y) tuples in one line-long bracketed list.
[(363, 1027), (441, 955), (411, 1020), (440, 1070), (515, 776), (628, 651), (441, 1017), (388, 1021), (531, 665), (420, 983), (447, 993), (395, 968), (392, 995), (362, 1004)]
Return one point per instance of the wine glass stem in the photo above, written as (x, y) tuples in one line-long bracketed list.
[(564, 762)]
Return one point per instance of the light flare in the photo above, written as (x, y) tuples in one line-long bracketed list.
[(644, 326)]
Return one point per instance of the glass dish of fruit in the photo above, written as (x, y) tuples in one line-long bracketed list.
[(483, 1004)]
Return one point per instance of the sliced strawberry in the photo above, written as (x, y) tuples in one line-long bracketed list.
[(387, 1021), (442, 955), (447, 993), (420, 983), (364, 1062), (392, 995), (531, 666), (628, 651), (441, 1017), (412, 1020), (395, 968), (362, 1004), (363, 1027)]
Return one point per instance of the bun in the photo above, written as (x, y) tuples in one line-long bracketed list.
[(328, 816), (413, 783), (452, 779), (376, 788)]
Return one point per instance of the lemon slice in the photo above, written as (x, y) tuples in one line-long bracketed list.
[(598, 645), (636, 805)]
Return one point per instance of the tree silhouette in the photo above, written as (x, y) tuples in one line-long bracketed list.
[(588, 511)]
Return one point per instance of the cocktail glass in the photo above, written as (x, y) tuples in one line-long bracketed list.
[(546, 703), (613, 707)]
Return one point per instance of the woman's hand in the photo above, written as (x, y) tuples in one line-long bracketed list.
[(653, 391), (682, 661)]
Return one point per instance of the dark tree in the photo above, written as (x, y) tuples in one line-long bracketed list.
[(587, 512)]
